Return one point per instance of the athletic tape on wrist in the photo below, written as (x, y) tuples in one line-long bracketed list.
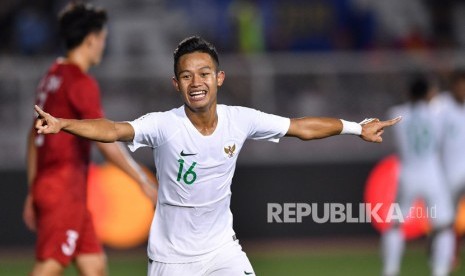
[(351, 128)]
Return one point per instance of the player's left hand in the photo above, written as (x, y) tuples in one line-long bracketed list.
[(29, 215), (372, 129), (46, 123)]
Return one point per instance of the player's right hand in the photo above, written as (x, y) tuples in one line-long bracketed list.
[(46, 123), (29, 215), (372, 129)]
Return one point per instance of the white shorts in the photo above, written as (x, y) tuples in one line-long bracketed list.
[(457, 189), (433, 190), (230, 260)]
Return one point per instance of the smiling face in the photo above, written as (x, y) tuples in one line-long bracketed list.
[(197, 80)]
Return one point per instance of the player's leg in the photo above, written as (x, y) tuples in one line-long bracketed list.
[(392, 240), (442, 250), (392, 247), (49, 267), (91, 264), (457, 192), (230, 261), (50, 258), (90, 258), (443, 240), (55, 242)]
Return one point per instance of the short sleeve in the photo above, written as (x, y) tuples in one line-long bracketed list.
[(146, 131), (264, 126), (84, 96)]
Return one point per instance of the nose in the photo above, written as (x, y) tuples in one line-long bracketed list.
[(196, 80)]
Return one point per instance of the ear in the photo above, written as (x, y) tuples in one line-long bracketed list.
[(175, 84), (89, 40), (220, 76)]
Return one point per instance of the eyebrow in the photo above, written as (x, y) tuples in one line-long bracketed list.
[(188, 71)]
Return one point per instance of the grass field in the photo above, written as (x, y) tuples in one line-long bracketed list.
[(305, 258)]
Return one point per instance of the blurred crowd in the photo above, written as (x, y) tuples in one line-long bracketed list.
[(28, 27)]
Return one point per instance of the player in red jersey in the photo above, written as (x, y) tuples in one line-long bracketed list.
[(57, 164)]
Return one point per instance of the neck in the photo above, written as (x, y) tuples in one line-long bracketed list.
[(79, 58), (204, 121), (459, 100)]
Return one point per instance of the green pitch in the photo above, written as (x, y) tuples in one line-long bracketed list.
[(346, 262), (325, 262)]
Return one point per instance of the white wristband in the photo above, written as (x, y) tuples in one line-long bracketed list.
[(351, 128)]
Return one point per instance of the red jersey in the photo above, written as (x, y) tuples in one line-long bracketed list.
[(66, 92), (64, 224)]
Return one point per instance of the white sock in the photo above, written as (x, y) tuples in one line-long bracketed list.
[(392, 246), (443, 247)]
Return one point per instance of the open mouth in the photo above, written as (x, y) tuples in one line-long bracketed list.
[(197, 95)]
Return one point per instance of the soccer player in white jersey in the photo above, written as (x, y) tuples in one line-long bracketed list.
[(453, 112), (195, 150), (452, 109), (418, 143)]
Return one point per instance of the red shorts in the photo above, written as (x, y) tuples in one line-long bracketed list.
[(64, 224)]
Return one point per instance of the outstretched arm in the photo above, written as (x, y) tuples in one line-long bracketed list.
[(309, 128), (118, 155), (101, 130)]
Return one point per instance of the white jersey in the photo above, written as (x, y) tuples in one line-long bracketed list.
[(418, 139), (418, 136), (453, 149), (193, 218)]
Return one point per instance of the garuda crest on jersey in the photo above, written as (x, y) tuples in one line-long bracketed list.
[(230, 150)]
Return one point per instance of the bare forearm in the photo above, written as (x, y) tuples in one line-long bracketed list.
[(101, 130), (309, 128), (120, 157)]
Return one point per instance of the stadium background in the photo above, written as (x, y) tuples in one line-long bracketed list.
[(344, 58)]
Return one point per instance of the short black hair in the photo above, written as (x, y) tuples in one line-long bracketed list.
[(77, 20), (420, 85), (191, 45)]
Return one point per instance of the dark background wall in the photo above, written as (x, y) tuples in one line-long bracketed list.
[(13, 190), (254, 186)]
